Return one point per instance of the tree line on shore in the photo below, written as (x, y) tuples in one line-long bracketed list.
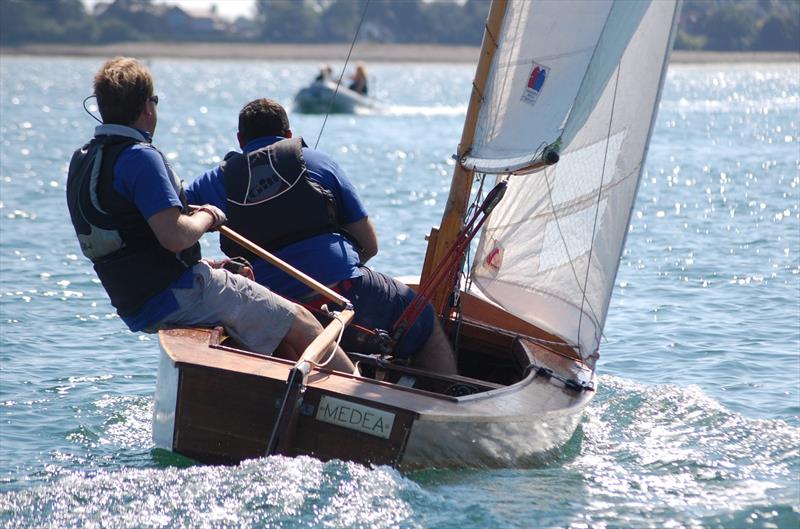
[(714, 25)]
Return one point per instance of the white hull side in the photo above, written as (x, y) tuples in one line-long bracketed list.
[(489, 442), (502, 428), (165, 401)]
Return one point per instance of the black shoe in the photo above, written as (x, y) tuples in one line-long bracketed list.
[(366, 370)]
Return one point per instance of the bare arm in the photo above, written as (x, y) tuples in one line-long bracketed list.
[(364, 234), (176, 231)]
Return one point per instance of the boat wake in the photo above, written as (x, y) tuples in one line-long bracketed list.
[(680, 452), (643, 454), (308, 493)]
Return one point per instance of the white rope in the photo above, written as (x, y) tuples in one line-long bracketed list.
[(335, 345)]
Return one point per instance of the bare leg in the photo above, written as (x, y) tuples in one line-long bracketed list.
[(437, 354), (302, 332)]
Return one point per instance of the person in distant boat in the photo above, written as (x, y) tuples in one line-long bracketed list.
[(358, 81), (325, 73), (298, 203), (133, 221)]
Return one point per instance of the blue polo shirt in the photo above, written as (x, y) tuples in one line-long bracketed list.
[(328, 258), (142, 177)]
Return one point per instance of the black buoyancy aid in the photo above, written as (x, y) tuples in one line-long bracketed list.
[(271, 199), (130, 262)]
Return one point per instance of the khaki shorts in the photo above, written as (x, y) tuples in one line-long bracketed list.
[(250, 313)]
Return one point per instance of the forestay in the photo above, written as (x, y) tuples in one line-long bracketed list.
[(582, 78)]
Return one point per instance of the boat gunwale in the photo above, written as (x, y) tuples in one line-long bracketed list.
[(427, 405)]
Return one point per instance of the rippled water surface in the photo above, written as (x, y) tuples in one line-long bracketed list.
[(697, 420)]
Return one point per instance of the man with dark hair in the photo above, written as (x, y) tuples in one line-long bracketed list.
[(298, 203), (132, 219)]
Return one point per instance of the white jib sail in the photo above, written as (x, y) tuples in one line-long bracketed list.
[(549, 252)]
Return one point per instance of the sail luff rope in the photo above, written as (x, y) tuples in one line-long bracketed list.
[(599, 196), (482, 130), (461, 156), (476, 202), (341, 74), (552, 205), (664, 66)]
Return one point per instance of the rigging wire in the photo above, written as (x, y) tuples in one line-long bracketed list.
[(447, 268), (599, 195), (467, 264), (341, 75), (566, 250), (476, 203), (540, 153)]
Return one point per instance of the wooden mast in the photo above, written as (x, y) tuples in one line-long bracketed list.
[(440, 240)]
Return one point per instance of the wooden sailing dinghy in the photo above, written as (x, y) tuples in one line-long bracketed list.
[(561, 114)]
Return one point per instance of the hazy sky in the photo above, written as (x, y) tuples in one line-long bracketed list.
[(229, 9)]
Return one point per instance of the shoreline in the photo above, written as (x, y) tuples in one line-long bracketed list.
[(418, 53)]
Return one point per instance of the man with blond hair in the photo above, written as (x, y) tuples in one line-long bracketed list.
[(132, 219)]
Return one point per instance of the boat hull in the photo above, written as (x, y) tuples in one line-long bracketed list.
[(218, 405), (490, 441)]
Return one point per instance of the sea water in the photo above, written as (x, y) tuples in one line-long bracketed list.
[(697, 419)]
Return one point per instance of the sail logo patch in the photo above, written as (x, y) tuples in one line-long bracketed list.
[(535, 83), (495, 259), (492, 262)]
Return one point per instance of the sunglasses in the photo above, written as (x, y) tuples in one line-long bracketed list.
[(154, 99)]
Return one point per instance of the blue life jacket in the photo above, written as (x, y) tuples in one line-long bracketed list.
[(128, 258), (271, 199)]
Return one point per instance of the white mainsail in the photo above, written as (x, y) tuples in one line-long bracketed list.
[(582, 78)]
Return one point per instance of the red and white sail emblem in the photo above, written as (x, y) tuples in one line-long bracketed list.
[(535, 84), (494, 260)]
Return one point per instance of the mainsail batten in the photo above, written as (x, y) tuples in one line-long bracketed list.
[(550, 251)]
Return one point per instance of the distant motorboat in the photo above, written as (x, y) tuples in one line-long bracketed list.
[(323, 97)]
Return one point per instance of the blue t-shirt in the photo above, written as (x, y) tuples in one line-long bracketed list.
[(141, 176), (328, 258)]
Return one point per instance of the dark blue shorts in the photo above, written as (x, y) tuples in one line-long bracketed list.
[(379, 300)]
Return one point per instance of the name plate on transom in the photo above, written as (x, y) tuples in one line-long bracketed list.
[(355, 416)]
